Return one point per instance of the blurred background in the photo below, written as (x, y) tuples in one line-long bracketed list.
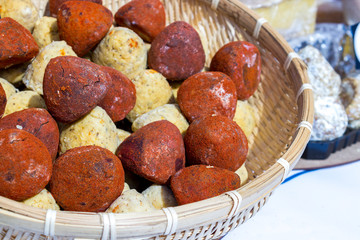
[(320, 197)]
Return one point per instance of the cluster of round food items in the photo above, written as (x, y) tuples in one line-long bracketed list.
[(335, 99), (119, 118)]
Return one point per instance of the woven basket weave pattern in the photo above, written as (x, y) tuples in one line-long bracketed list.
[(278, 114)]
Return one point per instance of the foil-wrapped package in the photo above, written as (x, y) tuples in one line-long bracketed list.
[(334, 41)]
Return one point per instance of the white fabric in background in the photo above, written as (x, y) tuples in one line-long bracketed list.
[(319, 204)]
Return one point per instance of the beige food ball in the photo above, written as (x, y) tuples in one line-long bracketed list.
[(8, 88), (23, 11), (160, 196), (43, 200), (170, 112), (23, 100), (34, 75), (152, 91), (324, 80), (121, 135), (123, 50), (15, 73), (131, 201), (95, 128), (245, 117), (330, 119), (46, 31), (243, 174)]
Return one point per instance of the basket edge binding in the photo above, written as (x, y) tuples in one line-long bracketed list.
[(252, 199)]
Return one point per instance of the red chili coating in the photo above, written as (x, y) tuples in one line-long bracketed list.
[(200, 182), (54, 5), (87, 178), (216, 141), (241, 61), (121, 97), (83, 24), (3, 101), (17, 45), (207, 93), (26, 164), (145, 17), (73, 87), (38, 122), (155, 151), (177, 52)]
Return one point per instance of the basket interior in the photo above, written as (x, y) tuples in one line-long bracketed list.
[(275, 103)]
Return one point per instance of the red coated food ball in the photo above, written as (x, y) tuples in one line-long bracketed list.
[(17, 45), (207, 93), (145, 17), (200, 182), (26, 164), (121, 97), (73, 87), (54, 5), (241, 61), (83, 24), (2, 101), (177, 52), (38, 122), (87, 178), (154, 152), (216, 141)]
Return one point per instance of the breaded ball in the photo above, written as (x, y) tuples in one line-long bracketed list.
[(17, 44), (325, 81), (152, 91), (15, 73), (170, 112), (23, 11), (46, 31), (206, 94), (215, 141), (23, 100), (241, 61), (123, 50), (54, 5), (154, 152), (131, 201), (26, 164), (121, 135), (177, 52), (95, 128), (44, 200), (245, 117), (243, 174), (34, 75), (199, 182), (87, 179), (330, 119), (8, 87), (160, 196)]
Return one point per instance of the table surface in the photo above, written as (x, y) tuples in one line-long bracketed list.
[(309, 204)]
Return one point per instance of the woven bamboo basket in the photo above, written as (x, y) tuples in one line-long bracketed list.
[(284, 108)]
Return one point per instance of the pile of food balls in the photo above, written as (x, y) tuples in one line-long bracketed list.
[(61, 142)]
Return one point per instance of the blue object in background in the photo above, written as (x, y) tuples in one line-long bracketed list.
[(355, 30)]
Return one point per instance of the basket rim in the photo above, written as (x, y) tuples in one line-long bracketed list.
[(12, 213)]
